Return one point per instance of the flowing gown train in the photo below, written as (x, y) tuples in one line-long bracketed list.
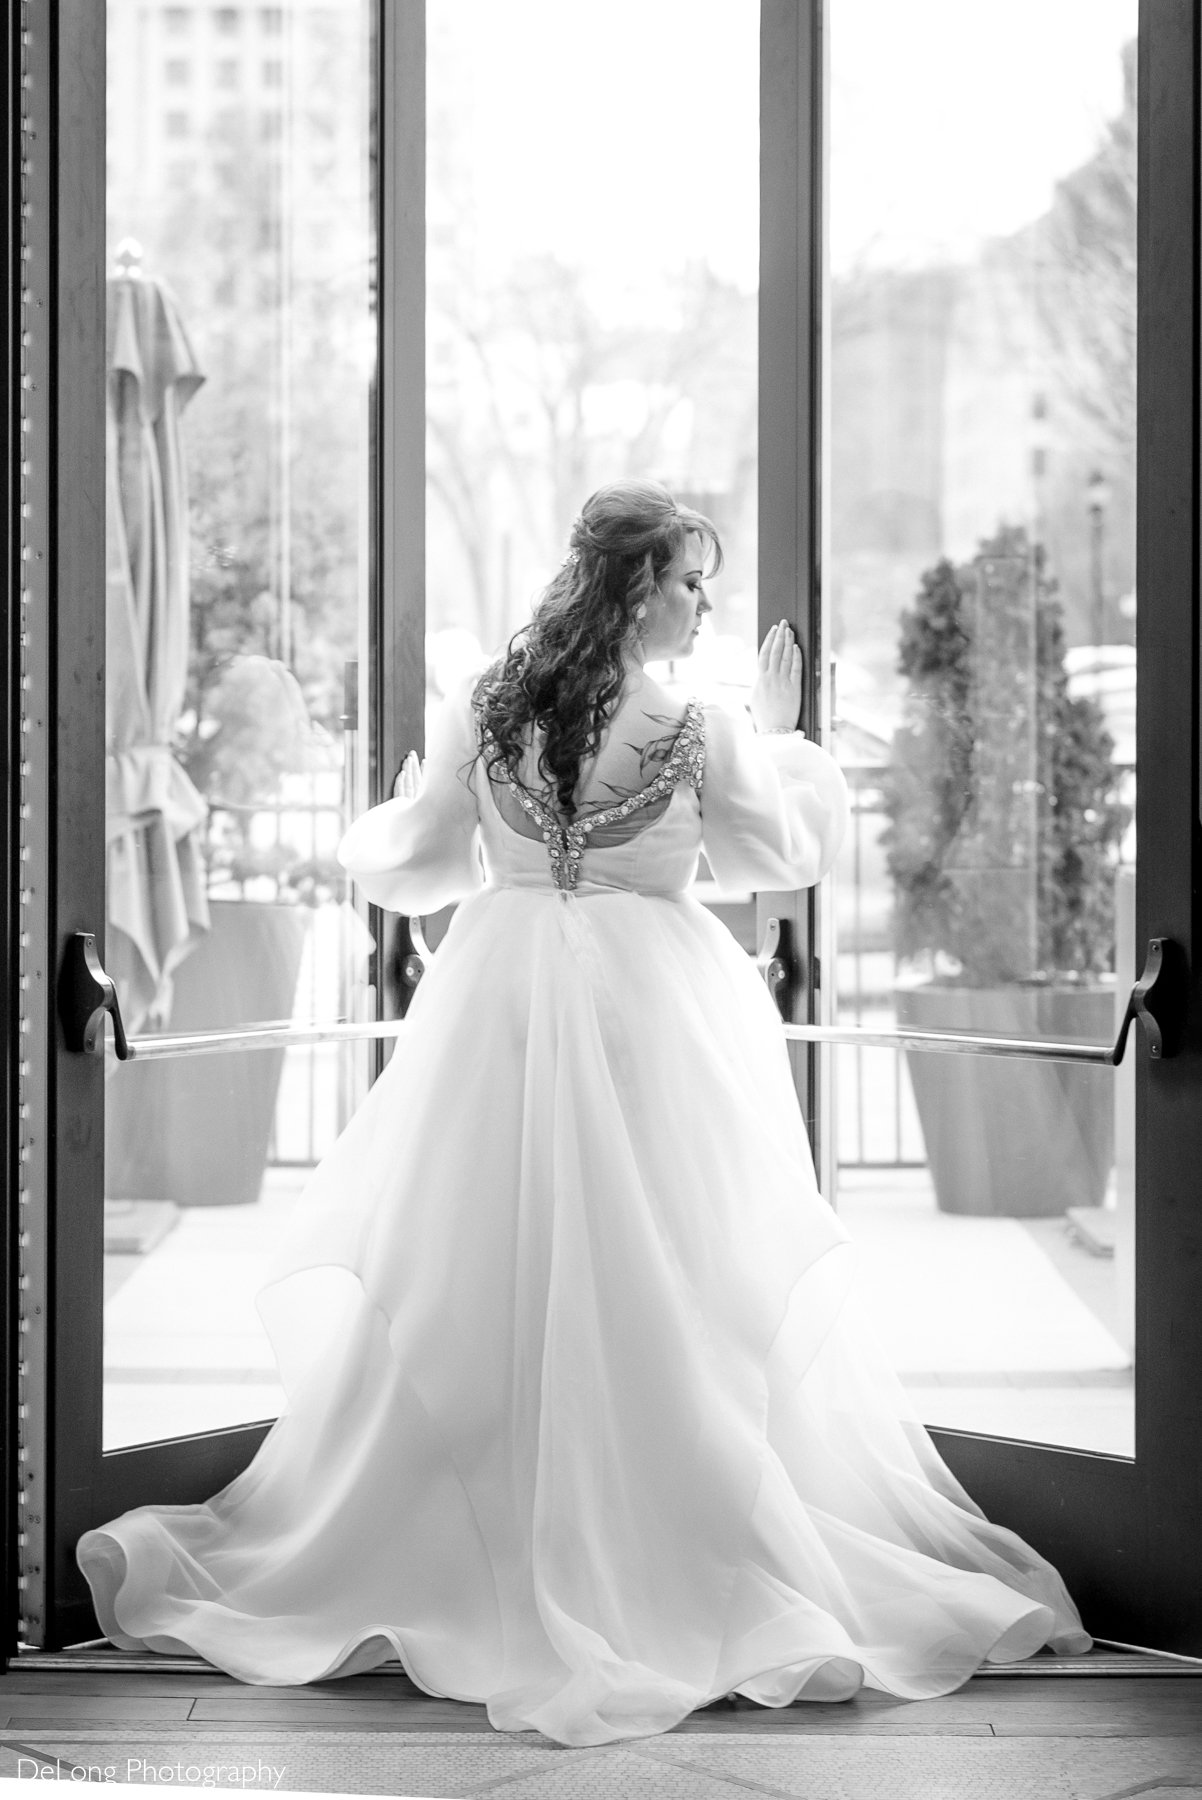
[(583, 1420)]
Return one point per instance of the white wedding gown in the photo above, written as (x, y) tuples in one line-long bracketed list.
[(582, 1422)]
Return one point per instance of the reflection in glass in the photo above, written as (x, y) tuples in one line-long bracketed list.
[(240, 334), (981, 479)]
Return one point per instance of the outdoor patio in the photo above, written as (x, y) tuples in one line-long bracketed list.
[(1002, 1326)]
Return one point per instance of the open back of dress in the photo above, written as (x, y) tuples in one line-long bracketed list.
[(609, 811)]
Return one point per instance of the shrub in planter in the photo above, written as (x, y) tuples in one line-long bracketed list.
[(1004, 826)]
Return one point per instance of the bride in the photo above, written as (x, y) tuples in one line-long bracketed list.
[(582, 1420)]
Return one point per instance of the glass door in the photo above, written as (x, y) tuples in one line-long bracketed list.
[(993, 480), (272, 277), (223, 388)]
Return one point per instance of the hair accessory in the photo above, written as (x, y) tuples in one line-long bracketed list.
[(571, 559)]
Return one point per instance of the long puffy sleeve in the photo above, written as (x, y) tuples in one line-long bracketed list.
[(415, 856), (773, 808)]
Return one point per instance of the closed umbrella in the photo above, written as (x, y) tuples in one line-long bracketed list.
[(156, 903)]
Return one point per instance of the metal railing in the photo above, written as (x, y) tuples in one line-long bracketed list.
[(861, 1088), (293, 826)]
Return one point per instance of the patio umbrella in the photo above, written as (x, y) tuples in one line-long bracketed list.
[(156, 904)]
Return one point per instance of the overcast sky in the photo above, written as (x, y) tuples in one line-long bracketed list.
[(625, 136), (952, 119)]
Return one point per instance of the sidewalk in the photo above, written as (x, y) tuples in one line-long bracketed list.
[(1001, 1326)]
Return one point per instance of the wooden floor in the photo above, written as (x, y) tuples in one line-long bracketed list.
[(1107, 1728)]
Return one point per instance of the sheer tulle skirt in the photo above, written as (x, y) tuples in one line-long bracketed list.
[(583, 1422)]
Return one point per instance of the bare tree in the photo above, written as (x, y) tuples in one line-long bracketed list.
[(1086, 254)]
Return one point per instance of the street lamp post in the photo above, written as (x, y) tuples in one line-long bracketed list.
[(1097, 499)]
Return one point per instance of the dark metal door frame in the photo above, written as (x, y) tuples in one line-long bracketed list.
[(790, 416), (10, 761), (61, 875), (398, 686)]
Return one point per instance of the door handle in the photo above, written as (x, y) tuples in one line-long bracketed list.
[(1159, 1000), (415, 964), (85, 994), (777, 963)]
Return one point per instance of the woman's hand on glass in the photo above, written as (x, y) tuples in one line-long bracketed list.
[(408, 783), (776, 696)]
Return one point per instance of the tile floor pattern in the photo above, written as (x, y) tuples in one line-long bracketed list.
[(1035, 1737), (697, 1767)]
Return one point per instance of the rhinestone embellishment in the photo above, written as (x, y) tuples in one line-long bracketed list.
[(566, 843)]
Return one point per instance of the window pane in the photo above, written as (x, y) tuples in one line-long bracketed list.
[(981, 475), (241, 343), (592, 274)]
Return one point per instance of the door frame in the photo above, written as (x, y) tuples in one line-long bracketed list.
[(10, 761), (790, 502), (398, 685), (1142, 1559)]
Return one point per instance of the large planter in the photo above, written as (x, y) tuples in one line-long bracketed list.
[(1006, 1136), (196, 1129)]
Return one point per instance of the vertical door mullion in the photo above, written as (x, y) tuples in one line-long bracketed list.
[(399, 672), (22, 1387), (791, 93), (10, 758), (35, 1025), (401, 473)]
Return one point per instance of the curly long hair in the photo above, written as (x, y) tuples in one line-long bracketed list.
[(563, 674)]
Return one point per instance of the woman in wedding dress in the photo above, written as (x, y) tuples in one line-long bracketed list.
[(583, 1422)]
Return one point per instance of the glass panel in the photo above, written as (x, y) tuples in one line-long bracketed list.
[(981, 480), (240, 339), (591, 309), (592, 278)]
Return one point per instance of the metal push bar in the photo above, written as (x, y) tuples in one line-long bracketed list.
[(1158, 1001)]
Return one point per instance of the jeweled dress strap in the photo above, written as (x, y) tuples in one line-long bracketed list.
[(566, 843)]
